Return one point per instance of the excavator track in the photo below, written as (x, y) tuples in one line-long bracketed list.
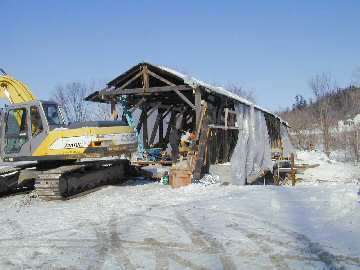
[(8, 179), (65, 181)]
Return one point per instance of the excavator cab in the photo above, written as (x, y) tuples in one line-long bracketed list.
[(27, 124)]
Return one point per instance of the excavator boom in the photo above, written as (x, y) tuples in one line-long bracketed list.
[(15, 91)]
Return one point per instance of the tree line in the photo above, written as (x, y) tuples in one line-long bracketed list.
[(316, 121)]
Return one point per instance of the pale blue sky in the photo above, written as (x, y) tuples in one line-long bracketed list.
[(273, 47)]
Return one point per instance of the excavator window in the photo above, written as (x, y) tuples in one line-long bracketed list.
[(16, 131), (52, 114), (36, 123)]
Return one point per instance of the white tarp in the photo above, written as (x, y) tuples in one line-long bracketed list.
[(252, 154)]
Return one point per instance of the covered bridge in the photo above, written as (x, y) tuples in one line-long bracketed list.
[(227, 126)]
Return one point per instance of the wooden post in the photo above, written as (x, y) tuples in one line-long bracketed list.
[(226, 117), (226, 141), (161, 127), (171, 121), (145, 78), (114, 114), (197, 106), (293, 173), (145, 131)]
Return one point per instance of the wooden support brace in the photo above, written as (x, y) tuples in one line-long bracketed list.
[(155, 128), (160, 78), (181, 95), (130, 81), (141, 120)]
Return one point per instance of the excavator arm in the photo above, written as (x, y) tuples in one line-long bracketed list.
[(13, 90)]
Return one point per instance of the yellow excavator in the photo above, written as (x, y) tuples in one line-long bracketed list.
[(40, 149)]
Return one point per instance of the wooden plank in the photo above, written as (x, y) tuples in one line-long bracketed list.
[(202, 144), (198, 128)]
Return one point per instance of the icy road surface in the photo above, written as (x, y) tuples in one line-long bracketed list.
[(150, 226)]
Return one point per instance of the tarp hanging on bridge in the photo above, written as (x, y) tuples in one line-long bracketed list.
[(252, 154)]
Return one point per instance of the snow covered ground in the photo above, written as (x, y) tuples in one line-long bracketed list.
[(144, 225)]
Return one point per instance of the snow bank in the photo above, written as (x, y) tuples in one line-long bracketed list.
[(329, 170)]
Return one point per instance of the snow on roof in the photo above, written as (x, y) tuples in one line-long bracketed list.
[(217, 89)]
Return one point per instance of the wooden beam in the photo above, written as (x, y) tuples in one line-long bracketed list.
[(157, 89), (114, 114), (181, 95), (160, 78), (130, 81), (155, 128)]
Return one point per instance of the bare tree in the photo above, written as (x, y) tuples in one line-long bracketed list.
[(302, 126), (242, 92), (322, 86), (71, 97)]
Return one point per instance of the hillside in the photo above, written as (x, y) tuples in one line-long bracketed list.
[(333, 115), (343, 104)]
